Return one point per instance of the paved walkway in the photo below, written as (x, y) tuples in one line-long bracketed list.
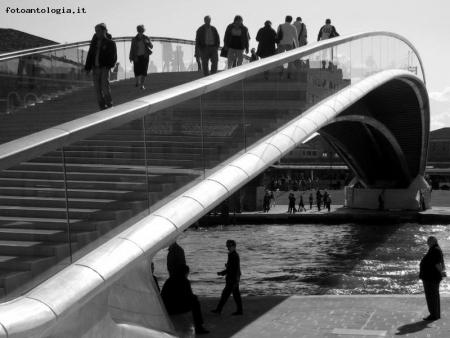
[(328, 317)]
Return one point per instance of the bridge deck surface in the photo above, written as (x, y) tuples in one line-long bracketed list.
[(320, 316)]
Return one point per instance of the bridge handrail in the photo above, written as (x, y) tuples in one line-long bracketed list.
[(31, 146), (52, 48)]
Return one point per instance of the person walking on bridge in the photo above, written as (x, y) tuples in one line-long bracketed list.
[(288, 39), (140, 51), (233, 275), (101, 58), (236, 40), (327, 31), (266, 43), (207, 42), (302, 32)]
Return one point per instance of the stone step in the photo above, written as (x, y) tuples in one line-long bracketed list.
[(35, 264), (78, 203), (100, 226), (120, 195), (61, 213), (50, 236), (11, 280), (35, 249), (95, 185)]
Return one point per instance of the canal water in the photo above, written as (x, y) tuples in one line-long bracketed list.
[(311, 259)]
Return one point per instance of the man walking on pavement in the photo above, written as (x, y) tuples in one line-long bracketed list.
[(233, 276)]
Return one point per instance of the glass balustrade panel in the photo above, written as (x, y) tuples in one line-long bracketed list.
[(34, 232), (175, 153), (107, 185)]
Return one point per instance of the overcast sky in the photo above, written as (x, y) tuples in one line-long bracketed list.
[(424, 23)]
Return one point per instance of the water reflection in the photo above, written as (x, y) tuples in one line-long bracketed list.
[(312, 259)]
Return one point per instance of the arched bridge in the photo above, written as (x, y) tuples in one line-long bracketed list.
[(88, 198)]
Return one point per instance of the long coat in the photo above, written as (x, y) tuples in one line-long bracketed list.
[(266, 38)]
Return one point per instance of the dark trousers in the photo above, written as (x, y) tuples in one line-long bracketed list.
[(210, 53), (192, 305), (141, 66), (431, 289), (102, 89), (230, 288)]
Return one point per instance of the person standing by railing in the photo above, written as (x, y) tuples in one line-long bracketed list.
[(207, 42), (140, 51), (102, 56)]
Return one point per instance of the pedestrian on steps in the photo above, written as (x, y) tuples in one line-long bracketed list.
[(207, 42), (140, 51), (101, 58)]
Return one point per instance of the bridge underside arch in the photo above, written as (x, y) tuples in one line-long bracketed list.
[(383, 137)]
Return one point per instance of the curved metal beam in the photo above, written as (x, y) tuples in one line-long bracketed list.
[(384, 131), (424, 106), (352, 163)]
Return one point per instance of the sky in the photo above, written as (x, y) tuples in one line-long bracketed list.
[(424, 23)]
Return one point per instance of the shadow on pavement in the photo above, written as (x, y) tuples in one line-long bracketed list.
[(225, 325), (412, 328)]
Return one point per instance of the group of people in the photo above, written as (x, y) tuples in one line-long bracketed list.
[(178, 296), (102, 54), (286, 183), (177, 293), (102, 57), (322, 201), (237, 40)]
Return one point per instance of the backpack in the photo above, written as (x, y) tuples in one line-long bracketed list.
[(279, 36)]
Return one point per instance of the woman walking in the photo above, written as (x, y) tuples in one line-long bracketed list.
[(140, 51), (236, 40)]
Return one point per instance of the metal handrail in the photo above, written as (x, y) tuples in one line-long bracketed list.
[(40, 143), (52, 48)]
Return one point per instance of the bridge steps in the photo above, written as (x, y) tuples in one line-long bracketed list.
[(106, 177)]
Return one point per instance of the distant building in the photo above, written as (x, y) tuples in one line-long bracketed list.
[(438, 164), (12, 40), (314, 159)]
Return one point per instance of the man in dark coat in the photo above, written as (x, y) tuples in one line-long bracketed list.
[(318, 199), (207, 42), (266, 46), (175, 259), (102, 56), (178, 298), (431, 272), (233, 276)]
